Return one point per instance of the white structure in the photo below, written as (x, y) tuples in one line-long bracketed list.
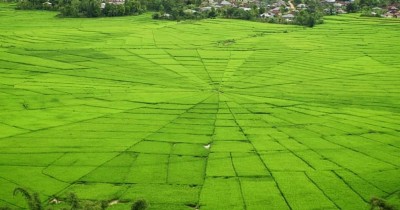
[(225, 3), (245, 8), (267, 15), (288, 17)]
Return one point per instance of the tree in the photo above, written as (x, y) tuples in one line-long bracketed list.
[(213, 13), (308, 18), (73, 201), (140, 204), (103, 205), (70, 8), (162, 9), (262, 10), (156, 16), (33, 201), (351, 7), (91, 8)]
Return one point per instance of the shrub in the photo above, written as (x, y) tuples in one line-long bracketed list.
[(140, 204), (380, 204)]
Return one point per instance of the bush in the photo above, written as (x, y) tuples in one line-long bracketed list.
[(352, 7), (380, 204), (156, 16), (140, 204)]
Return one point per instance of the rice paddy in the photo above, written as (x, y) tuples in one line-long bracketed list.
[(213, 114)]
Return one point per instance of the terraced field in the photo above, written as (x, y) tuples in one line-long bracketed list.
[(219, 114)]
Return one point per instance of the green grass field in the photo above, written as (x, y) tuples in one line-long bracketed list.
[(122, 108)]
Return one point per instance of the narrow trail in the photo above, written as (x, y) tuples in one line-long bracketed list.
[(291, 5)]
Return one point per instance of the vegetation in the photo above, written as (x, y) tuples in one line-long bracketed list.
[(168, 9), (216, 114), (310, 16), (70, 202), (140, 204), (85, 8), (380, 204), (33, 200), (182, 10)]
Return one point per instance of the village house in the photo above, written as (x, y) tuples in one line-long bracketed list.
[(279, 3), (338, 5), (288, 17), (267, 15), (204, 9), (392, 9), (276, 11), (245, 8), (392, 12), (225, 3), (119, 2), (301, 6)]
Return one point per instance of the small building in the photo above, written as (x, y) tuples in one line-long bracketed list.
[(393, 9), (189, 11), (388, 15), (301, 6), (338, 5), (267, 15), (245, 8), (281, 3), (225, 3), (288, 17), (204, 9), (119, 2), (276, 11)]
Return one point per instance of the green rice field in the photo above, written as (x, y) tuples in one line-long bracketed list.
[(213, 114)]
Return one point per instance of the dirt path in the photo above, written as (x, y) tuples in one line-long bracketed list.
[(292, 6)]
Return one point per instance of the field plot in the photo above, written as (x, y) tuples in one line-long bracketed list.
[(284, 117)]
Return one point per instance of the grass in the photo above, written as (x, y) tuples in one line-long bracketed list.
[(121, 108)]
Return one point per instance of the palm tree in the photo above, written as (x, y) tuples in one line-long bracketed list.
[(32, 200)]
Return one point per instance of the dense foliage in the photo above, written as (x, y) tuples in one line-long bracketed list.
[(86, 8), (169, 9), (92, 8), (180, 11)]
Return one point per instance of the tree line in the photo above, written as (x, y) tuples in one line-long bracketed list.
[(167, 9), (86, 8)]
